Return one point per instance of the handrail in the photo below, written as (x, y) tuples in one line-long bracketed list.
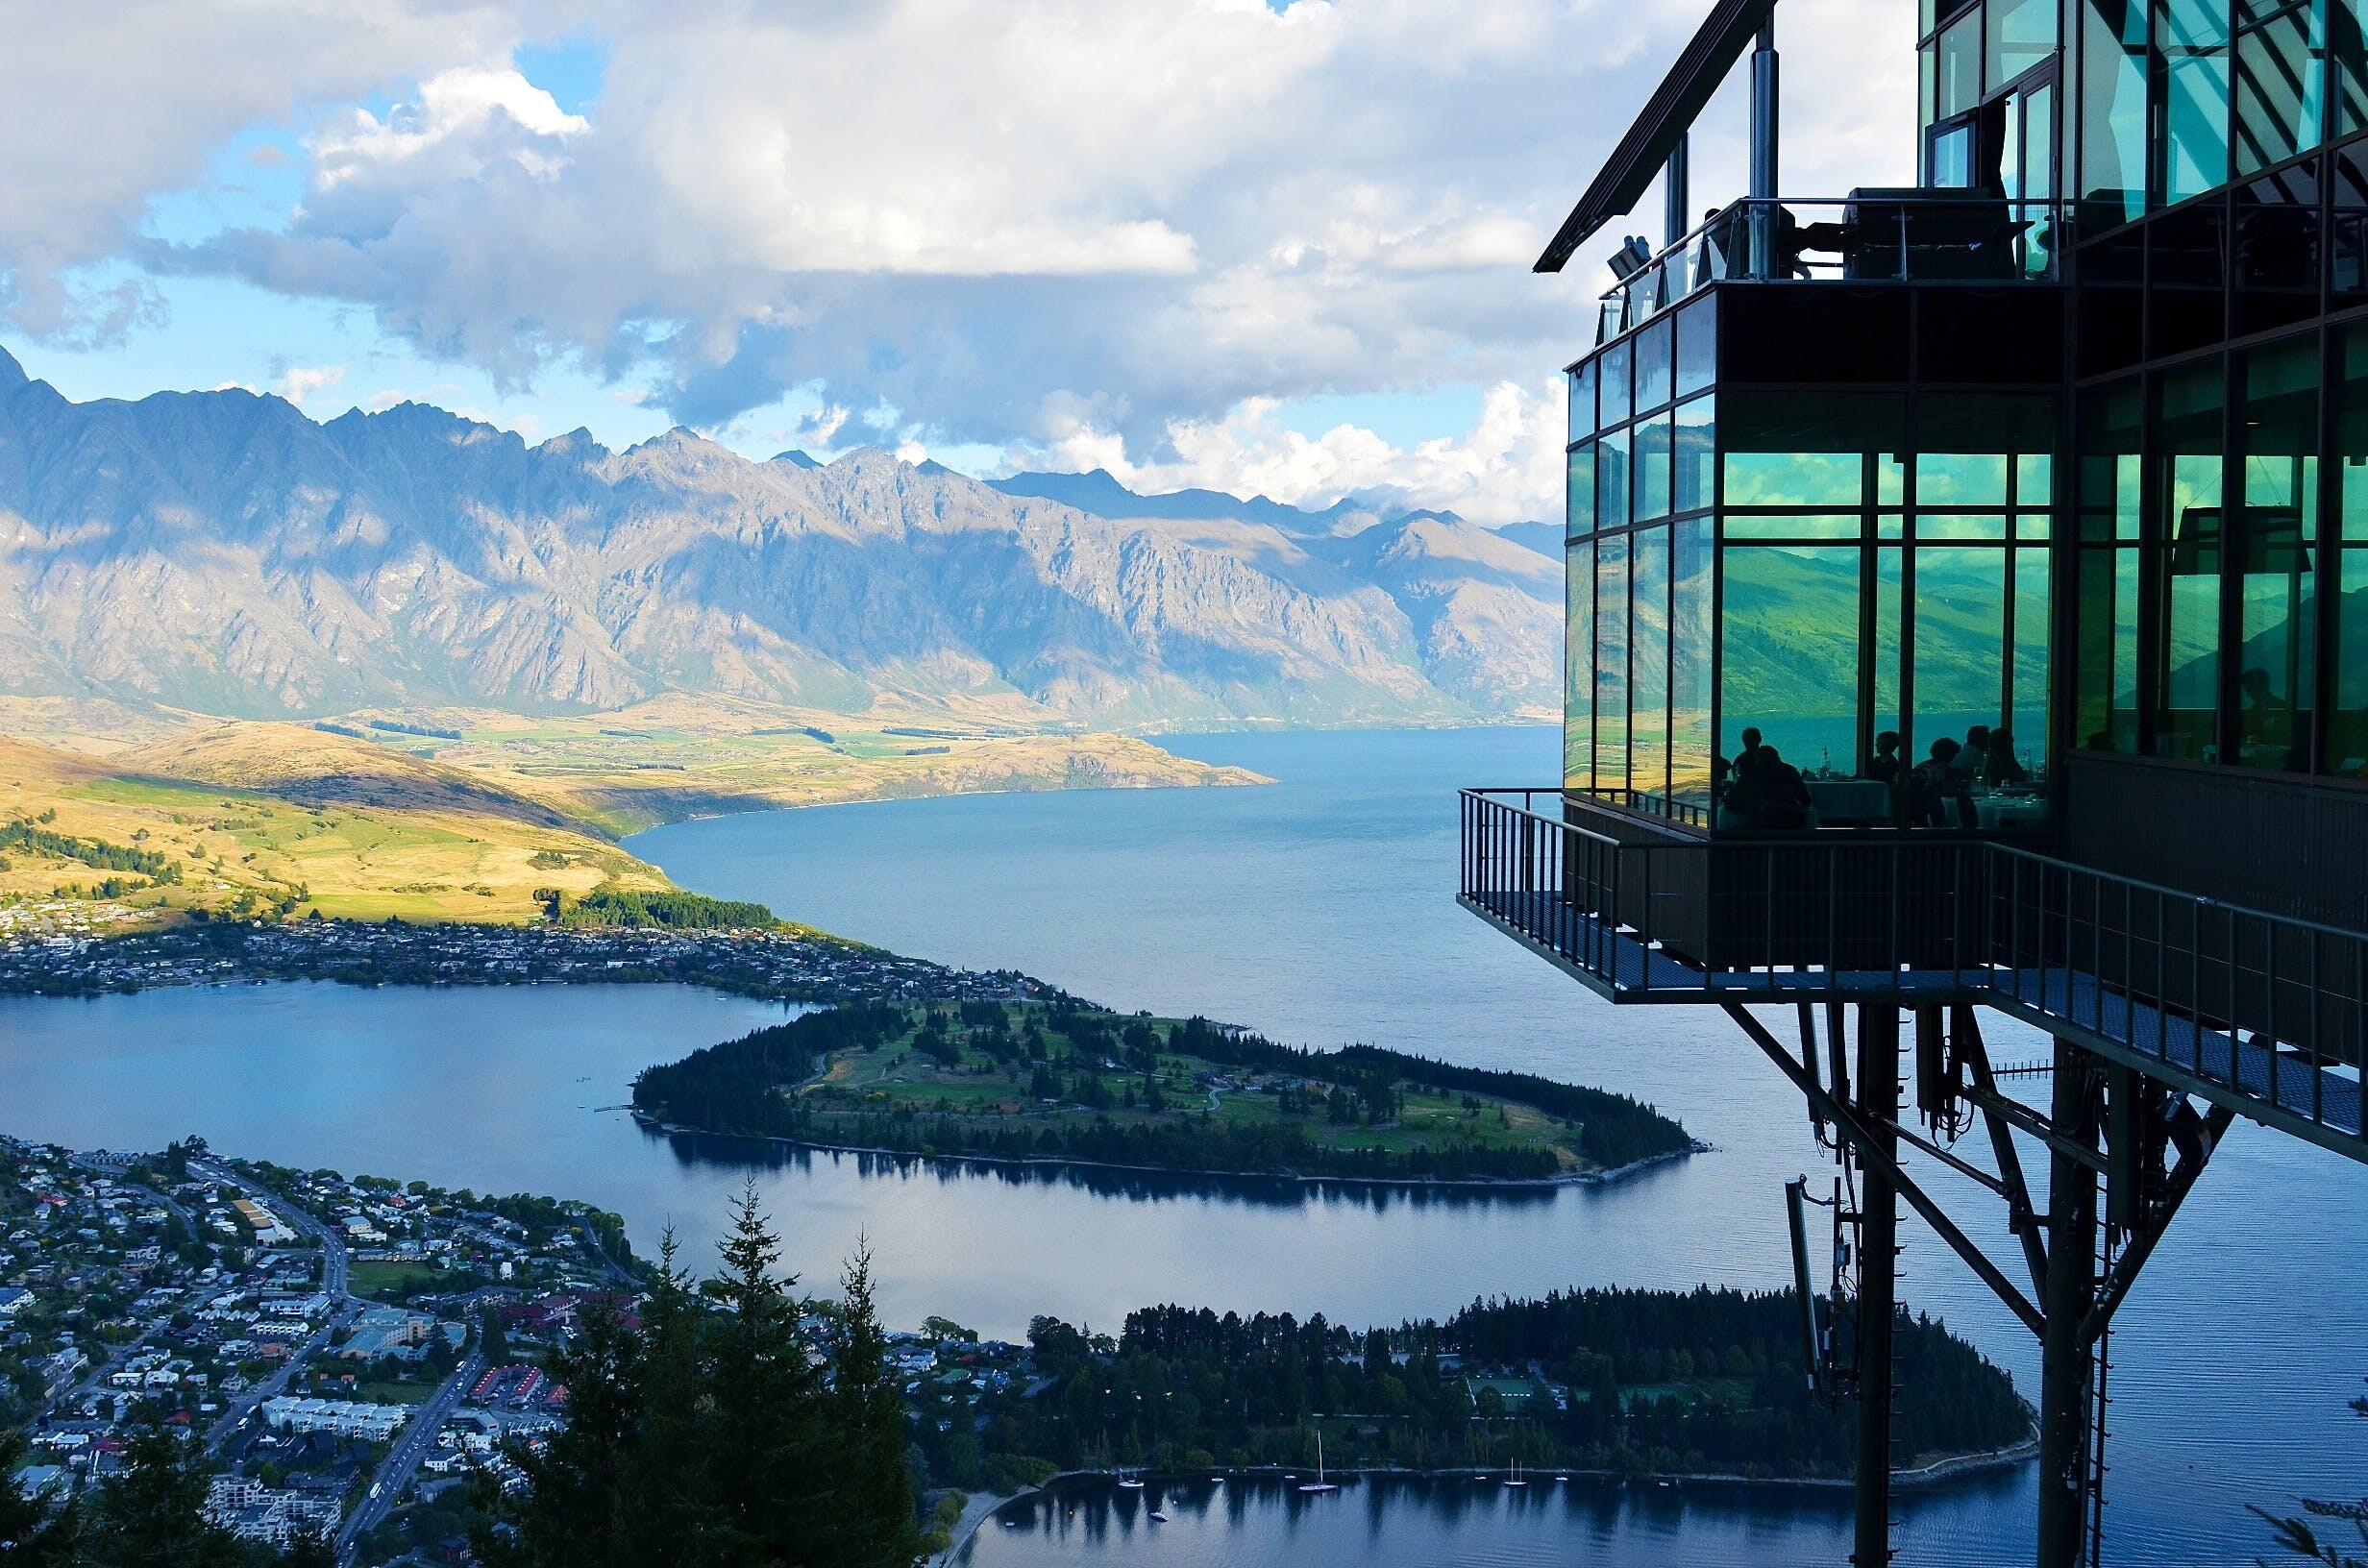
[(2256, 1005)]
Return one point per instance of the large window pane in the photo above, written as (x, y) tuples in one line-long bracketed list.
[(1802, 449), (2280, 98), (1583, 401), (2033, 604), (1579, 667), (1648, 663), (2113, 107), (1790, 651), (1698, 345), (1959, 83), (2186, 659), (1652, 460), (2020, 34), (2276, 536), (1958, 660), (1652, 355), (1692, 635), (2192, 38), (2347, 65), (1611, 662), (1612, 479), (1696, 442), (2105, 711), (2347, 684), (1580, 491), (1612, 385)]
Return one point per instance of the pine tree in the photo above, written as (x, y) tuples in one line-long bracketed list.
[(870, 1505), (152, 1513), (31, 1534), (765, 1436)]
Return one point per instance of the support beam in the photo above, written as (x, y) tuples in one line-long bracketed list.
[(2142, 1238), (2022, 1214), (1878, 1283), (2066, 1363), (1873, 1153)]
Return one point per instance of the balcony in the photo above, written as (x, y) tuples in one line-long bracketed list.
[(2265, 1014), (1867, 237)]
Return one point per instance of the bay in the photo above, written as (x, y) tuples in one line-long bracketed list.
[(1320, 910)]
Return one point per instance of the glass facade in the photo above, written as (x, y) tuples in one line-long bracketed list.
[(2168, 560)]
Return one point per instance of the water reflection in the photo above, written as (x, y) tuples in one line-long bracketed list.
[(770, 1155), (1398, 1521)]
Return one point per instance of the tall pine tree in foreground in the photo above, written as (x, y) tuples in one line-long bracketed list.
[(734, 1425)]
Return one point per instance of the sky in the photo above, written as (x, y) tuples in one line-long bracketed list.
[(1265, 247)]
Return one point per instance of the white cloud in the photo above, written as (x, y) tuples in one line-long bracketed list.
[(298, 382), (1065, 226), (1506, 468)]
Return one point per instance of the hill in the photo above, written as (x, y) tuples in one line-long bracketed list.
[(221, 553)]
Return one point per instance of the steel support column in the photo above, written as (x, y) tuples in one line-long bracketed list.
[(2066, 1359), (1878, 1099)]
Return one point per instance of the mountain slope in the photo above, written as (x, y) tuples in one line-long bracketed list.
[(221, 553)]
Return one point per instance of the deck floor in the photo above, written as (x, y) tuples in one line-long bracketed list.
[(1624, 969)]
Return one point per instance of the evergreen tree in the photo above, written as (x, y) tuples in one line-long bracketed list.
[(870, 1516), (31, 1534), (151, 1515)]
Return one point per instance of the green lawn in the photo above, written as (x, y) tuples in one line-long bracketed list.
[(393, 1282), (895, 1076)]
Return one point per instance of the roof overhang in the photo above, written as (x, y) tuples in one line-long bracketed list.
[(1671, 111)]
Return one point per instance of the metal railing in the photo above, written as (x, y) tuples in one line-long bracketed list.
[(1872, 237), (2271, 1008)]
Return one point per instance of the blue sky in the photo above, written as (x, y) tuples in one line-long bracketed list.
[(1271, 246)]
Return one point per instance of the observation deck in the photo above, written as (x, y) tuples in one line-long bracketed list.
[(2262, 1013)]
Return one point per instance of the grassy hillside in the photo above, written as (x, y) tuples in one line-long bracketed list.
[(281, 821), (453, 815)]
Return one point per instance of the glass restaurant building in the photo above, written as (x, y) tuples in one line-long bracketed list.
[(1968, 618)]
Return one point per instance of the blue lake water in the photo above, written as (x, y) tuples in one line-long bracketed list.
[(1320, 910)]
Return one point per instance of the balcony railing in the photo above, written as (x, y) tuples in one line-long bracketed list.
[(2263, 1008), (1870, 236)]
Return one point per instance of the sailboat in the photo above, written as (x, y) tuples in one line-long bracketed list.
[(1515, 1478), (1319, 1484)]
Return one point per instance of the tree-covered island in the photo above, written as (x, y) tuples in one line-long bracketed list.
[(1063, 1082)]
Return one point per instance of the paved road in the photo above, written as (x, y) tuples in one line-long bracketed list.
[(248, 1402), (333, 1245), (394, 1472)]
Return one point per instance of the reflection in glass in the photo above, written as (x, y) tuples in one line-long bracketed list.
[(1648, 652), (2020, 34), (2186, 662), (2105, 698), (1583, 401), (2113, 107), (1652, 349), (2193, 40), (1698, 345), (1693, 637), (1961, 525), (1652, 463), (1790, 658), (1794, 526), (1612, 385), (1612, 479), (2277, 535), (1959, 81), (1696, 443), (1958, 660), (2347, 718), (1579, 667), (1961, 478), (1890, 651), (1580, 492), (2027, 714), (2279, 95), (1611, 662)]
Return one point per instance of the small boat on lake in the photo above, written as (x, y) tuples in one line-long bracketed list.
[(1319, 1484)]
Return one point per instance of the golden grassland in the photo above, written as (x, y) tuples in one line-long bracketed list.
[(262, 815)]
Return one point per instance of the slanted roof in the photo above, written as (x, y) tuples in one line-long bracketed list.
[(1724, 35)]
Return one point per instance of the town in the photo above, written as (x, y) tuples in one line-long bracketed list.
[(786, 964)]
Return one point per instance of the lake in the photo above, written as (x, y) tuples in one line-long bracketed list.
[(1320, 910)]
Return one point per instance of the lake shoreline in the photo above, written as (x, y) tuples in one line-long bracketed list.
[(981, 1510), (1536, 1183)]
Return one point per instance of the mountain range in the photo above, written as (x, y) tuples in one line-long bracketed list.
[(220, 551)]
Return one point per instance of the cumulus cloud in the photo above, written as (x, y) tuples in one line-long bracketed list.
[(299, 382), (1502, 470), (1032, 227)]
